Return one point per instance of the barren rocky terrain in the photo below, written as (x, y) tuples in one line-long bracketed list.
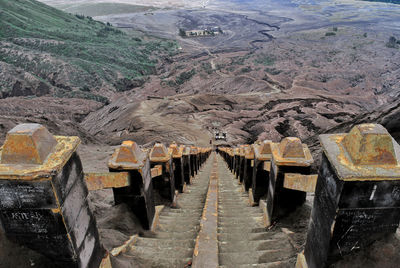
[(280, 68)]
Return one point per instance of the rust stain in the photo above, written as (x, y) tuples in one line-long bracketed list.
[(267, 166), (156, 171), (123, 248), (53, 164), (287, 153), (367, 153), (106, 262), (98, 181), (300, 182), (301, 261), (159, 153), (176, 150), (262, 150), (249, 152), (128, 156), (291, 147), (27, 144)]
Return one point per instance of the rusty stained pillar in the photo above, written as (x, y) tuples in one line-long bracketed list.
[(357, 197), (289, 156), (261, 169), (139, 194), (240, 175), (236, 161), (177, 158), (193, 160), (231, 158), (43, 197), (164, 184), (248, 167), (186, 163)]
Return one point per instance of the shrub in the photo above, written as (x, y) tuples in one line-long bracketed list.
[(392, 43), (182, 32), (265, 59), (272, 71), (246, 69), (81, 17), (185, 76)]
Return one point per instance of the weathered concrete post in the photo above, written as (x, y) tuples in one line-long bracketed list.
[(193, 160), (186, 163), (261, 168), (357, 197), (242, 159), (231, 159), (248, 167), (138, 193), (289, 157), (177, 156), (164, 184), (43, 197), (236, 163)]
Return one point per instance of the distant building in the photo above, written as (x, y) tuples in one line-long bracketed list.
[(220, 136), (212, 31)]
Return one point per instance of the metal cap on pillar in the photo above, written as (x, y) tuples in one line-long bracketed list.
[(159, 153), (365, 145), (127, 156), (291, 152), (43, 197), (357, 197)]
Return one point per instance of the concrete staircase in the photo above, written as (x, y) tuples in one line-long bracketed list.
[(242, 239), (173, 242)]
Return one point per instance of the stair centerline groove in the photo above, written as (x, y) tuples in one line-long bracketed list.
[(206, 250)]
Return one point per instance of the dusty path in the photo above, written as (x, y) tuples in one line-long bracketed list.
[(214, 225)]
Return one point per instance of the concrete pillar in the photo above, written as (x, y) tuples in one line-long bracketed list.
[(186, 163), (240, 175), (177, 154), (193, 160), (290, 156), (261, 168), (357, 197), (139, 194), (231, 159), (43, 197), (248, 167), (236, 161), (164, 184)]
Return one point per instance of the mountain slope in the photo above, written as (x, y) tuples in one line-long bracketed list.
[(46, 51)]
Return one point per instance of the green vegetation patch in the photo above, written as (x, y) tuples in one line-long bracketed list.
[(265, 59), (49, 43), (101, 9), (185, 76)]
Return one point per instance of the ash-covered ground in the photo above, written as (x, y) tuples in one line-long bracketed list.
[(280, 68)]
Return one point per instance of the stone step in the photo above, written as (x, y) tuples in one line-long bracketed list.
[(244, 236), (172, 253), (154, 242), (157, 261), (240, 229), (239, 220), (239, 246), (252, 257), (178, 228), (278, 264), (238, 214)]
